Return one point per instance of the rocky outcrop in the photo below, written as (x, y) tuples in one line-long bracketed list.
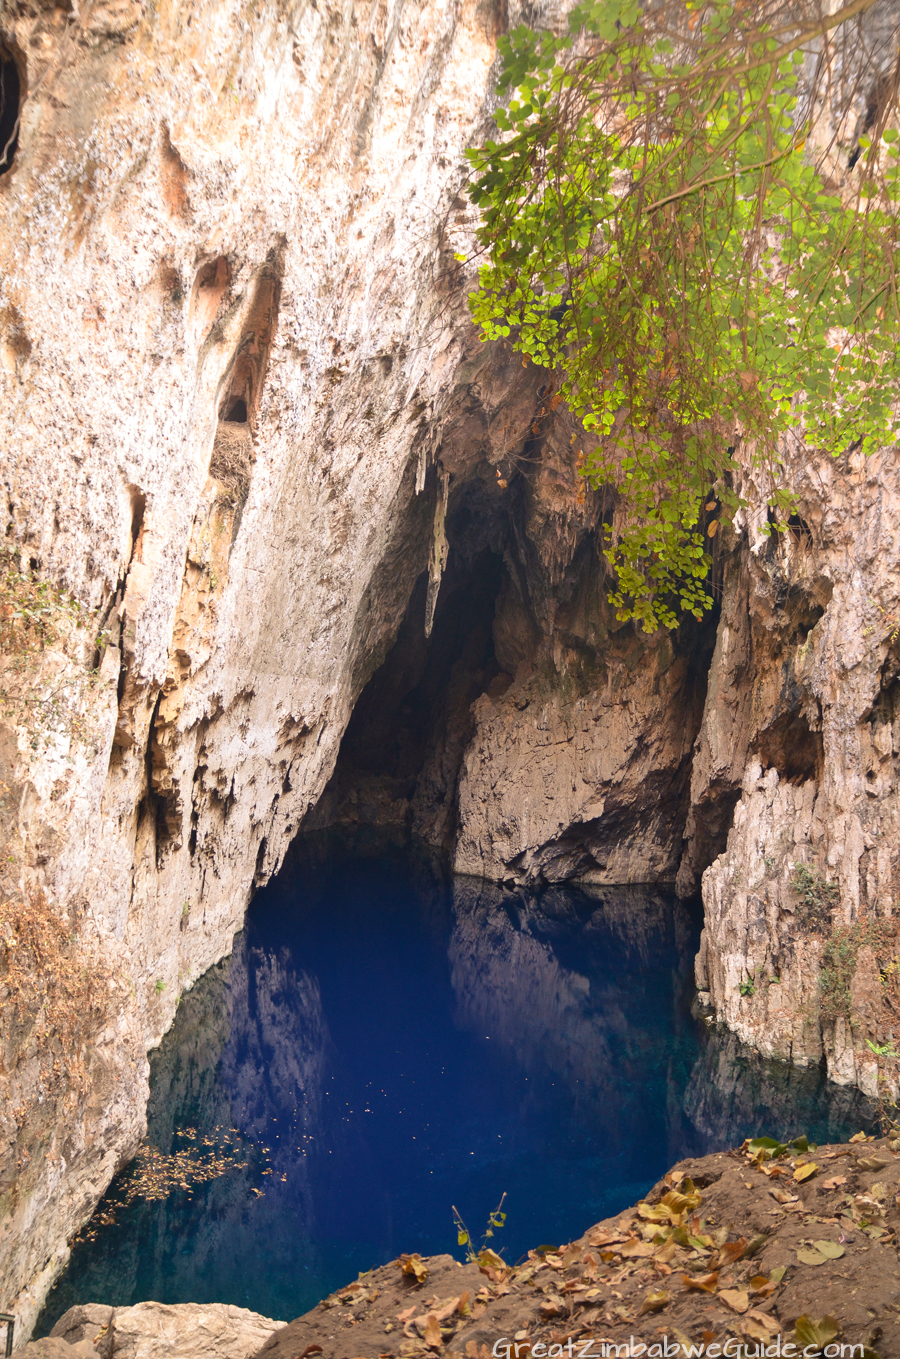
[(769, 1257), (182, 1331)]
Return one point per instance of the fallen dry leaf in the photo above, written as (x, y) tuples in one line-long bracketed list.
[(735, 1298), (760, 1326), (762, 1286), (834, 1182), (703, 1283), (552, 1307), (781, 1195), (432, 1333), (805, 1172), (733, 1250), (413, 1265), (654, 1302), (446, 1309)]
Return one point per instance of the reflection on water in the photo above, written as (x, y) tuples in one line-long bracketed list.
[(399, 1043)]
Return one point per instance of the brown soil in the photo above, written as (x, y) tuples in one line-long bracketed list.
[(700, 1259)]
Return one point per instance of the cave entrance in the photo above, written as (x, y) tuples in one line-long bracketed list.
[(10, 103), (401, 754)]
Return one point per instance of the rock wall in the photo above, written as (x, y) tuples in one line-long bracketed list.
[(798, 736), (232, 345)]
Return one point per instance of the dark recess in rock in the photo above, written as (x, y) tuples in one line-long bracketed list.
[(792, 747), (400, 756), (10, 103)]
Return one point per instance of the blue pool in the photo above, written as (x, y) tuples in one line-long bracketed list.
[(387, 1042)]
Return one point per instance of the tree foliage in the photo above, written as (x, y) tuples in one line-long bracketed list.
[(661, 236)]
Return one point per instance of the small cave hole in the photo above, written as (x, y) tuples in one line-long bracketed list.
[(235, 411), (799, 529), (138, 510), (792, 747), (10, 103)]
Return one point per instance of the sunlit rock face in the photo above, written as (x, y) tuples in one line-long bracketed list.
[(232, 344)]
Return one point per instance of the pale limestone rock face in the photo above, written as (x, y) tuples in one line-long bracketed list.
[(232, 346), (580, 766)]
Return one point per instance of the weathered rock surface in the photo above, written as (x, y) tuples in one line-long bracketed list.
[(153, 1329), (52, 1348), (231, 349), (798, 732)]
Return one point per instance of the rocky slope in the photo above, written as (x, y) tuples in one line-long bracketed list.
[(247, 423)]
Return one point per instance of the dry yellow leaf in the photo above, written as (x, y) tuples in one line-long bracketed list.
[(703, 1283), (654, 1302), (433, 1337)]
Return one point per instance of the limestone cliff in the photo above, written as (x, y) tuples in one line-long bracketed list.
[(799, 728), (231, 348)]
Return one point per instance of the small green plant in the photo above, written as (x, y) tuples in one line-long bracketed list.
[(769, 1148), (160, 986), (185, 910), (747, 988), (496, 1220), (818, 897), (885, 1050)]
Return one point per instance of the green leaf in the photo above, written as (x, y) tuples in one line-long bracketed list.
[(816, 1333)]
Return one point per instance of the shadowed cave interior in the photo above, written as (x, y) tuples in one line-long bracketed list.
[(400, 756)]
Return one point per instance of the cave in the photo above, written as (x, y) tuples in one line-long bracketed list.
[(792, 747), (10, 103), (235, 413), (400, 756)]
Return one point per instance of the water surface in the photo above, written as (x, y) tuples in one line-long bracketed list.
[(388, 1042)]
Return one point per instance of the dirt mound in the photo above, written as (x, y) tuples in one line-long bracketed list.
[(744, 1246)]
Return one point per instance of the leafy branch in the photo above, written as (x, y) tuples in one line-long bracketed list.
[(660, 236)]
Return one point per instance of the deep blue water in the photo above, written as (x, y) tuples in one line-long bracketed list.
[(389, 1042)]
